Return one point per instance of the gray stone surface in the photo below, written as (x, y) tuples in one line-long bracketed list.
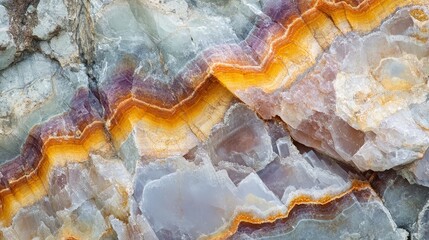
[(7, 45)]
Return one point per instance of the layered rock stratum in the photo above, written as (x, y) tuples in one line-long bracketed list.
[(214, 119)]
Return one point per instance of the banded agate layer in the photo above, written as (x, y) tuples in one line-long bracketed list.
[(214, 119)]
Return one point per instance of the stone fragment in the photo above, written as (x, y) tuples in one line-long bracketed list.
[(51, 16), (240, 144), (307, 174), (418, 171), (80, 200), (7, 45), (62, 48), (403, 200), (422, 224)]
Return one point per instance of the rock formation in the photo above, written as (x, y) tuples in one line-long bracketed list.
[(214, 119)]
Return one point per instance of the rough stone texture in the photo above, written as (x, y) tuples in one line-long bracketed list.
[(422, 224), (76, 204), (32, 91), (7, 46), (51, 17), (404, 201), (238, 119)]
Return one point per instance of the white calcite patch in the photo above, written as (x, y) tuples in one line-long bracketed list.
[(365, 100)]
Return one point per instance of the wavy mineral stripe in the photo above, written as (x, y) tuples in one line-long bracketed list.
[(294, 49), (72, 137), (168, 129), (67, 138), (364, 17), (250, 218), (318, 212), (285, 46)]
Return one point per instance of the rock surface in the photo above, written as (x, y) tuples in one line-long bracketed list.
[(239, 119)]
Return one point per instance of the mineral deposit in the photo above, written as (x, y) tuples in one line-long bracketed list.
[(214, 119)]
